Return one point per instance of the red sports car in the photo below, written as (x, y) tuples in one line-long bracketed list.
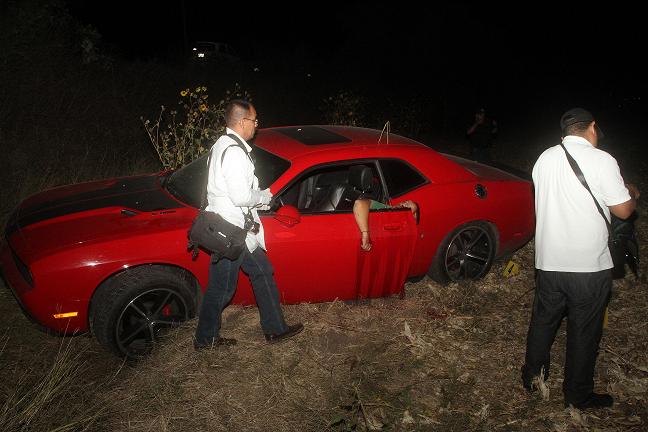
[(111, 256)]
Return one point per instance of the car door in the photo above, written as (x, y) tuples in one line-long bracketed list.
[(319, 258), (383, 270)]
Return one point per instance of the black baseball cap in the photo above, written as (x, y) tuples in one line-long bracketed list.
[(579, 115)]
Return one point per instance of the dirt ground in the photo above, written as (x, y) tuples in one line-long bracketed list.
[(440, 359)]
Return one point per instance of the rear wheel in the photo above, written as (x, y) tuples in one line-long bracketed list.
[(135, 308), (467, 253)]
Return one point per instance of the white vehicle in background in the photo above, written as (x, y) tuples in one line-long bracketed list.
[(206, 50)]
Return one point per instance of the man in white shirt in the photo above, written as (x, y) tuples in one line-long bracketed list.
[(233, 192), (572, 258)]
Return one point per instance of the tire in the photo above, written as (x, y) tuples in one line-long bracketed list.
[(415, 279), (133, 309), (467, 253)]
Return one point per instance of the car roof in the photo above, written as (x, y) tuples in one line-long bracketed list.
[(291, 142), (309, 145)]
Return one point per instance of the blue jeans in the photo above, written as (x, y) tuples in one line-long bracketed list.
[(223, 278), (582, 297)]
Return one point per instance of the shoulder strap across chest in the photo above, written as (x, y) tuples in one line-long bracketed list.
[(239, 143)]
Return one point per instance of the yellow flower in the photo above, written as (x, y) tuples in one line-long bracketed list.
[(203, 107), (183, 93), (195, 114), (197, 89), (204, 88)]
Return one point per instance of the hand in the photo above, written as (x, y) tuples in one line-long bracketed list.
[(365, 243), (266, 196), (409, 204)]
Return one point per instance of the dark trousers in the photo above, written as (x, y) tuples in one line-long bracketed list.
[(223, 278), (582, 298)]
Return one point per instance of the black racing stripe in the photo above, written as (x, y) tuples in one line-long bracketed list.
[(145, 201), (119, 187)]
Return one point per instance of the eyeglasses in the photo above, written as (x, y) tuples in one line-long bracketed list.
[(255, 121)]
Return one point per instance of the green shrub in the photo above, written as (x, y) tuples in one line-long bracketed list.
[(344, 108)]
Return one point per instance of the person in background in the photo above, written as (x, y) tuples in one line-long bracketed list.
[(572, 257), (481, 135), (231, 188)]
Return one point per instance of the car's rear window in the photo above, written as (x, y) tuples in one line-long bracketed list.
[(268, 167), (400, 177), (188, 183)]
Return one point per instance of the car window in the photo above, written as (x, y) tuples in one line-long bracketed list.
[(188, 183), (332, 188), (268, 167), (400, 177)]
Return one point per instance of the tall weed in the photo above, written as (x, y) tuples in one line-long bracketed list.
[(29, 404), (179, 137)]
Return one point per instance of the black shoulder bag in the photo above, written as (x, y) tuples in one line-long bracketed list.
[(210, 231), (622, 240)]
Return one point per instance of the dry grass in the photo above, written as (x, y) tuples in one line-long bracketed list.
[(442, 359), (40, 401)]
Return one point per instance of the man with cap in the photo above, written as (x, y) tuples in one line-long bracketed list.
[(572, 258)]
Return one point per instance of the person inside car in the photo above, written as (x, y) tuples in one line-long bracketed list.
[(361, 208)]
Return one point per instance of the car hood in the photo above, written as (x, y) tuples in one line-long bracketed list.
[(78, 210)]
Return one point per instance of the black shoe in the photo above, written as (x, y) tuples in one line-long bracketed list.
[(216, 343), (292, 331), (593, 401), (528, 380)]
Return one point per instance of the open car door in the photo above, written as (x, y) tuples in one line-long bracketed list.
[(314, 241), (320, 259)]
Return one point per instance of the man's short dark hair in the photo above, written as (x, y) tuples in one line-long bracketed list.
[(235, 110), (576, 128)]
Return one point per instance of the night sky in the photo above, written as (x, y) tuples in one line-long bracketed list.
[(536, 58)]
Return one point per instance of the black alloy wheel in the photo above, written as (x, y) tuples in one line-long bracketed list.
[(147, 317), (467, 253), (133, 309)]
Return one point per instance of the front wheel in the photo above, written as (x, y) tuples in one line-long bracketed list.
[(135, 308), (467, 253)]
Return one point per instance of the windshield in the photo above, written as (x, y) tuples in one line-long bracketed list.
[(188, 183)]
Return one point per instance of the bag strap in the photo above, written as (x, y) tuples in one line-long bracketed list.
[(203, 201), (248, 217), (581, 178), (239, 143)]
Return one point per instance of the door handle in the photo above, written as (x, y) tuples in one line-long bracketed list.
[(393, 227)]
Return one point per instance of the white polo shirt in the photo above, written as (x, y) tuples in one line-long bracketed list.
[(570, 234), (233, 187)]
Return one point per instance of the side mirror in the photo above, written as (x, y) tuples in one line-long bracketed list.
[(288, 216)]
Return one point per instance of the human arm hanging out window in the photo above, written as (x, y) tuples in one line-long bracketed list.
[(361, 208)]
